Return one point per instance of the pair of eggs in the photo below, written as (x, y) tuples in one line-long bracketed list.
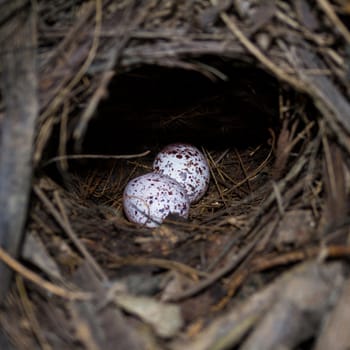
[(180, 177)]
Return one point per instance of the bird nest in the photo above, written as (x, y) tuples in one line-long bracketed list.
[(262, 89)]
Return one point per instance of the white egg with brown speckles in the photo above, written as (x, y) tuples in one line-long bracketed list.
[(187, 165), (150, 198)]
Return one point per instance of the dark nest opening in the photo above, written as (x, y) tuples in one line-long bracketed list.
[(233, 119), (154, 106), (261, 88)]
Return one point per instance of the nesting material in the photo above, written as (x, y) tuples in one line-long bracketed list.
[(262, 88)]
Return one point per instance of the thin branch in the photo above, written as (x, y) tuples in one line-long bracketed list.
[(96, 156), (36, 279), (280, 73), (64, 223), (333, 17)]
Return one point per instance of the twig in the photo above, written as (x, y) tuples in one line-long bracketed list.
[(211, 165), (333, 17), (163, 263), (273, 260), (220, 273), (226, 249), (243, 170), (255, 172), (277, 260), (278, 198), (86, 64), (299, 136), (240, 276), (221, 157), (96, 156), (36, 279), (69, 231), (280, 73), (250, 246), (134, 21), (63, 136), (28, 310), (297, 167), (328, 157), (78, 76)]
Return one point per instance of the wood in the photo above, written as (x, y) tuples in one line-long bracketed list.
[(335, 333), (19, 91), (106, 325)]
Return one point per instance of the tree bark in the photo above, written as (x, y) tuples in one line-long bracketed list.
[(19, 92)]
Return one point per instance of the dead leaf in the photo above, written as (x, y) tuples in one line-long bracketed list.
[(35, 252), (166, 319)]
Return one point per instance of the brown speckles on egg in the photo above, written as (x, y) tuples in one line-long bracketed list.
[(187, 165), (150, 198)]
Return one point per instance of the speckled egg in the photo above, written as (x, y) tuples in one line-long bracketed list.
[(150, 198), (187, 165)]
